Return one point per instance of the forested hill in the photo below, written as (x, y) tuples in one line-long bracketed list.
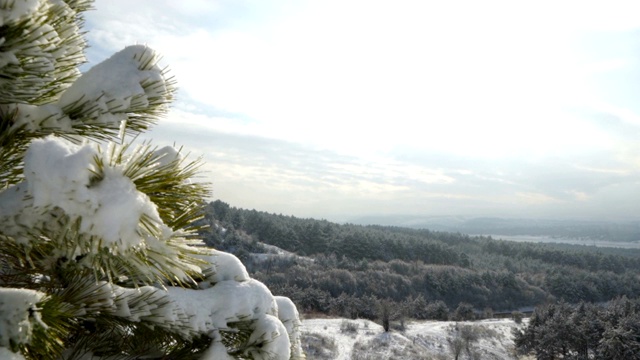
[(581, 230), (347, 269)]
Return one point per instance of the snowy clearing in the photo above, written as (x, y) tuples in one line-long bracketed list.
[(343, 339)]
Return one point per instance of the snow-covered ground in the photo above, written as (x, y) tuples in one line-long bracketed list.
[(342, 339), (274, 252)]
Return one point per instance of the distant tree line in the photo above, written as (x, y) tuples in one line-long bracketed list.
[(585, 230), (347, 269)]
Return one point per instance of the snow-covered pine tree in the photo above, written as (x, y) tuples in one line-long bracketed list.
[(98, 247)]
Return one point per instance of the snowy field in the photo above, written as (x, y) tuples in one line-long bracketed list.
[(342, 339)]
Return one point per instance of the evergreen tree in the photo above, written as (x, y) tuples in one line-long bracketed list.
[(621, 341), (99, 256)]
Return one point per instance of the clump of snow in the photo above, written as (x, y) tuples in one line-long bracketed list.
[(222, 266), (17, 10), (197, 311), (288, 315), (235, 297), (151, 304), (59, 174), (39, 61), (234, 301), (100, 297), (65, 188), (18, 315), (6, 354), (119, 84), (217, 350), (7, 57), (34, 117), (269, 339), (167, 155), (206, 311), (127, 82), (229, 295)]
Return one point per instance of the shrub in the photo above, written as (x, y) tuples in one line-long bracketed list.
[(347, 326), (318, 346), (517, 317), (464, 312)]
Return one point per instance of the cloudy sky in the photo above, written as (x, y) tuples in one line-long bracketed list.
[(341, 108)]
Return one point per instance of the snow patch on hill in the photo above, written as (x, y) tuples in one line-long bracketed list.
[(273, 253), (343, 339)]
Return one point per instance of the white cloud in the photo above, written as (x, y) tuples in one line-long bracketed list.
[(368, 80)]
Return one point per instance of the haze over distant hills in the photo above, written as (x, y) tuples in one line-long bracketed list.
[(623, 231)]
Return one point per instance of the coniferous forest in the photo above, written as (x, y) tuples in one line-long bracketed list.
[(583, 331), (583, 300), (350, 270)]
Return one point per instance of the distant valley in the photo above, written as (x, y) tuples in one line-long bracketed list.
[(348, 269), (577, 232), (419, 279)]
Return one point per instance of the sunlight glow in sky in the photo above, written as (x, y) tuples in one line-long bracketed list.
[(338, 109)]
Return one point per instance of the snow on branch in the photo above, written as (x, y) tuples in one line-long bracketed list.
[(38, 56), (99, 215), (128, 87), (101, 237), (18, 315), (60, 174), (130, 81), (14, 11), (288, 315)]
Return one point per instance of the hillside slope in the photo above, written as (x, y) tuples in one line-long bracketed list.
[(342, 339)]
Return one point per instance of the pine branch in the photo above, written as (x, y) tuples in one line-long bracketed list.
[(12, 149), (237, 340), (41, 70), (96, 282), (165, 178), (50, 342)]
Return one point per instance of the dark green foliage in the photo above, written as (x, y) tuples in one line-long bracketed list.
[(425, 272), (384, 309), (517, 317), (621, 341), (464, 312), (308, 236), (582, 257), (438, 310), (585, 331)]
